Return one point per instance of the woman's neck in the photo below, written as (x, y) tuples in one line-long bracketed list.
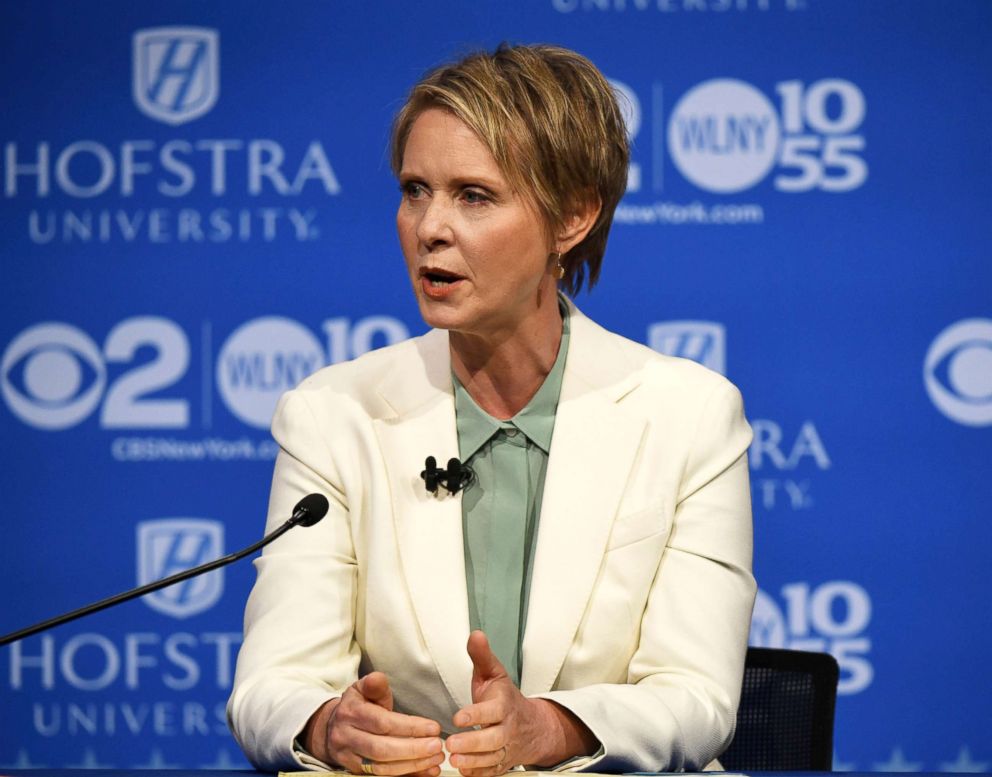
[(502, 371)]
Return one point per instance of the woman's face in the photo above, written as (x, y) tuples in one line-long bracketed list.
[(477, 252)]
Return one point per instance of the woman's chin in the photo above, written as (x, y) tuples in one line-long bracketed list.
[(438, 315)]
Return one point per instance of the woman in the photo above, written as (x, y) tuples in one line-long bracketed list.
[(597, 566)]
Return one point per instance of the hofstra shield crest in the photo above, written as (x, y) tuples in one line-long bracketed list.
[(170, 545), (176, 72), (702, 341)]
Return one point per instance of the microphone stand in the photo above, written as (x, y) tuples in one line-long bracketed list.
[(305, 514)]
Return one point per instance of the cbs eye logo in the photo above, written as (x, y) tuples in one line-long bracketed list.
[(52, 376), (957, 372)]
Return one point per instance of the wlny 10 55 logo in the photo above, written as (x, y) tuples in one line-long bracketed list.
[(725, 136), (830, 617)]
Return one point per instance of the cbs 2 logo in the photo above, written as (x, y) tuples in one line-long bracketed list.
[(827, 159), (54, 376)]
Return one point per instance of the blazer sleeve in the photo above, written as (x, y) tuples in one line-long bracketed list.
[(299, 649), (677, 710)]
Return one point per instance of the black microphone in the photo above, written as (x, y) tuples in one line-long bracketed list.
[(431, 474), (307, 512), (456, 477)]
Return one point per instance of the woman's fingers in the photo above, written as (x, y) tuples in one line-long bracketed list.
[(366, 736), (375, 688), (386, 749), (394, 768), (498, 715), (483, 764), (483, 713), (480, 753), (485, 665), (387, 755), (466, 762), (361, 712), (485, 740), (489, 771), (434, 771), (376, 720)]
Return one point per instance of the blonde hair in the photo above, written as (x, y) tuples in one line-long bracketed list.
[(551, 121)]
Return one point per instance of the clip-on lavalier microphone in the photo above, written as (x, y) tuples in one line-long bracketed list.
[(456, 477)]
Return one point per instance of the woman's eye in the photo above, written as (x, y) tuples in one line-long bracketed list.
[(473, 197), (412, 190)]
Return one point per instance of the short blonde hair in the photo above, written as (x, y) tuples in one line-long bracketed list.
[(552, 123)]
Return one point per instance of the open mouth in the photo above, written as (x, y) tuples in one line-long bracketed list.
[(439, 278)]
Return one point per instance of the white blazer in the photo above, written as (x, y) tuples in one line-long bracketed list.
[(642, 589)]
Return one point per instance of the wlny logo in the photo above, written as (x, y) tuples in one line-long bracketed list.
[(725, 136), (831, 617)]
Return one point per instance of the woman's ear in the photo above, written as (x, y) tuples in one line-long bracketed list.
[(580, 219)]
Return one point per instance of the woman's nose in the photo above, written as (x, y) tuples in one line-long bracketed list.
[(434, 227)]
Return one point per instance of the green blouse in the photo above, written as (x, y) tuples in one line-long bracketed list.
[(501, 509)]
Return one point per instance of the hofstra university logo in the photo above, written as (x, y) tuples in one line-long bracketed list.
[(155, 191), (170, 545), (704, 342), (175, 72)]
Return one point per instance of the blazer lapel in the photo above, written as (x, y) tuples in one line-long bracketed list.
[(592, 453), (428, 527)]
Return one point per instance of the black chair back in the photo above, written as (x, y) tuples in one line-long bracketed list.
[(785, 721)]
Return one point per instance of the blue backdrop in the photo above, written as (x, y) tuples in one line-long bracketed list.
[(198, 211)]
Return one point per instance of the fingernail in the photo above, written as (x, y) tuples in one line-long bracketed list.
[(435, 746)]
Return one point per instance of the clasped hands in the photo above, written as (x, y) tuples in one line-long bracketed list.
[(362, 733)]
